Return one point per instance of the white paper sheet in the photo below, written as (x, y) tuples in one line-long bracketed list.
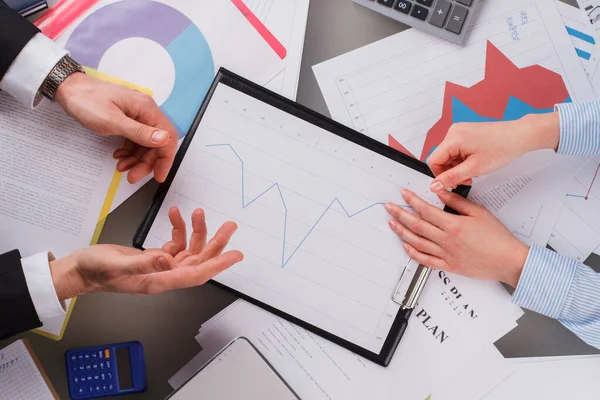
[(590, 10), (396, 85), (54, 178), (318, 369), (581, 32), (577, 232), (286, 19), (553, 379)]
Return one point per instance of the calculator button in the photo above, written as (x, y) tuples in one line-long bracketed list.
[(80, 391), (419, 12), (76, 380), (95, 365), (106, 353), (82, 367), (102, 365), (427, 3), (86, 355), (387, 3), (440, 13), (403, 6), (457, 19), (108, 364), (88, 367), (89, 378), (103, 376), (96, 377), (73, 357), (97, 388), (81, 378), (111, 387), (80, 356), (74, 368), (94, 354), (109, 376), (104, 388), (465, 2), (91, 389)]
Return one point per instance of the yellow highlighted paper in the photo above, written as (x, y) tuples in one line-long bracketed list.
[(110, 195)]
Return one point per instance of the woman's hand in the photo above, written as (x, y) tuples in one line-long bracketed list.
[(473, 149), (474, 244), (111, 268), (109, 109)]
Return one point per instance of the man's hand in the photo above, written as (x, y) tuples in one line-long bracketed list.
[(111, 268), (474, 244), (474, 149), (109, 109)]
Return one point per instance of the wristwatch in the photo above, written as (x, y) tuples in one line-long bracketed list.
[(61, 71)]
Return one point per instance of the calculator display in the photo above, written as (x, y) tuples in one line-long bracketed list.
[(124, 368)]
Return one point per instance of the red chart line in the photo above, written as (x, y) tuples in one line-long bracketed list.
[(587, 195)]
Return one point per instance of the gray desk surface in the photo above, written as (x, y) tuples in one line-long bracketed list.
[(166, 324)]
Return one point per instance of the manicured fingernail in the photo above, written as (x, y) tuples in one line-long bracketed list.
[(388, 207), (393, 224), (161, 263), (404, 192), (437, 186), (159, 136), (406, 247)]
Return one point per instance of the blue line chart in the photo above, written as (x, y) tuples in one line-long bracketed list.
[(277, 187)]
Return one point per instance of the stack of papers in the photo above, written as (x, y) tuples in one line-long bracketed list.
[(406, 90)]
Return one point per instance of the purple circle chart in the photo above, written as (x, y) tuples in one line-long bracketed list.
[(163, 24)]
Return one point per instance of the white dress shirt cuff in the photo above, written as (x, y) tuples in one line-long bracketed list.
[(41, 287), (28, 71)]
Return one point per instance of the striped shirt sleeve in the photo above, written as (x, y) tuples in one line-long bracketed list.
[(561, 288), (579, 128)]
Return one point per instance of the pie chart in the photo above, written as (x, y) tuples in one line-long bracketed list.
[(164, 25)]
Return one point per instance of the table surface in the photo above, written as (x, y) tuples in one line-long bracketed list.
[(166, 324)]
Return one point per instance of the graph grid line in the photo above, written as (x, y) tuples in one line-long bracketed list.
[(285, 260)]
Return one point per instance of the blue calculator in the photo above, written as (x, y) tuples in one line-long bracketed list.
[(103, 371)]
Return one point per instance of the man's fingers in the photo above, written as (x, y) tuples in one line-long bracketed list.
[(198, 240), (123, 153), (147, 262), (425, 259), (460, 174), (418, 242), (125, 164), (458, 203), (427, 212), (178, 241), (144, 135), (196, 275)]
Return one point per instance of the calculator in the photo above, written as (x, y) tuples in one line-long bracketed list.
[(108, 370), (447, 19)]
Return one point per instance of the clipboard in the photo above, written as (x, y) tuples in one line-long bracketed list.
[(252, 90)]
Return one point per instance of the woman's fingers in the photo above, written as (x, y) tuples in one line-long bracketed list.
[(425, 259), (414, 223), (418, 242)]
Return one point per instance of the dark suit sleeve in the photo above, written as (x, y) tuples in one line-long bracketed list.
[(17, 312), (15, 33)]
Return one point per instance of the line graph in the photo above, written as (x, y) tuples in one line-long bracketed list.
[(277, 187), (589, 190)]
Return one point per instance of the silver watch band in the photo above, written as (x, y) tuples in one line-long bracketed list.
[(61, 71)]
